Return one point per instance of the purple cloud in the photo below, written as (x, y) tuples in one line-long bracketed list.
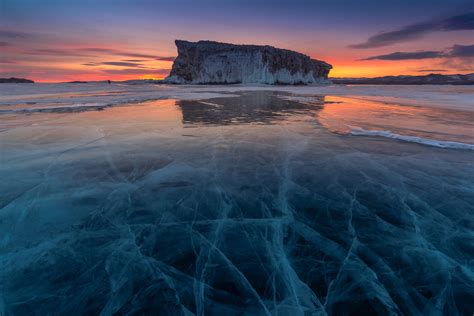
[(414, 31)]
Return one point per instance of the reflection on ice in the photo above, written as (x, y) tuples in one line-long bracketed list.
[(250, 107), (344, 115), (130, 211)]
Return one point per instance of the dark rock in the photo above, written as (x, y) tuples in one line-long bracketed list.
[(15, 80)]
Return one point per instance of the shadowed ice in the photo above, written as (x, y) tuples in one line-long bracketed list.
[(256, 204)]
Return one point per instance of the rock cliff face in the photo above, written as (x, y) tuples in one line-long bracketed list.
[(207, 62)]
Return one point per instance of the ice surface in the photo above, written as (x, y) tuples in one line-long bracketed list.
[(256, 204), (40, 95), (434, 126), (429, 142)]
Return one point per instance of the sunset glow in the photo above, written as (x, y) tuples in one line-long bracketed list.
[(65, 41)]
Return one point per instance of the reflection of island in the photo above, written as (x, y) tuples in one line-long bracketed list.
[(250, 107)]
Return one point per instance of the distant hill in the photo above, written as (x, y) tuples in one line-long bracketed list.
[(426, 79), (15, 80)]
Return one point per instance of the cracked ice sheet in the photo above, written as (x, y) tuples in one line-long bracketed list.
[(244, 205)]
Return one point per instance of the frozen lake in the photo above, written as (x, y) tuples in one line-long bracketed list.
[(236, 200)]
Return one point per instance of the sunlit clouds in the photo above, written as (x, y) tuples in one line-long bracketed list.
[(58, 40)]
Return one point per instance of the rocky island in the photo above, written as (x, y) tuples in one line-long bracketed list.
[(15, 80), (207, 62)]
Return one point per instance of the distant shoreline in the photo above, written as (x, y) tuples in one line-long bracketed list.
[(430, 79), (438, 79)]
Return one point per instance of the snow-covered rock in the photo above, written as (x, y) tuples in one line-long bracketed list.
[(207, 62)]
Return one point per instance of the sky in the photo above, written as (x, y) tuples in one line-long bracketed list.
[(64, 40)]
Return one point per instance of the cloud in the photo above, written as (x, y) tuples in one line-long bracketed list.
[(127, 55), (54, 52), (458, 64), (136, 71), (459, 22), (122, 63), (462, 51), (117, 52), (136, 55), (7, 61), (431, 70), (117, 63), (4, 44), (406, 55), (97, 50), (93, 51), (456, 51), (13, 34), (164, 58), (91, 64), (414, 31)]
